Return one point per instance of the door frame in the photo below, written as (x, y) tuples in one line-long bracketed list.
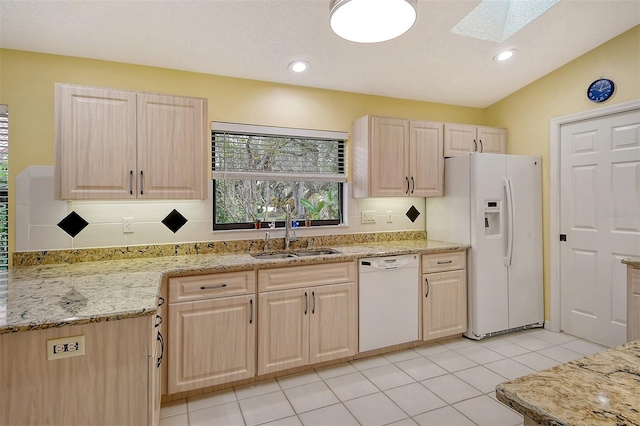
[(553, 323)]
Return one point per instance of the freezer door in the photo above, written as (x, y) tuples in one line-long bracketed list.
[(526, 299), (488, 295)]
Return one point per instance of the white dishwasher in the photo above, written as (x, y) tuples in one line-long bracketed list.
[(389, 298)]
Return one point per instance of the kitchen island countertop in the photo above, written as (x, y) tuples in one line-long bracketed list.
[(601, 389), (39, 297)]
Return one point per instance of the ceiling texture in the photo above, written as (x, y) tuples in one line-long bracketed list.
[(258, 39)]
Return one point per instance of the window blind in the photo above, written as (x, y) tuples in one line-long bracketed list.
[(279, 154), (4, 187)]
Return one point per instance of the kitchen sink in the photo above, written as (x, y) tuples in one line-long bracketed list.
[(301, 253)]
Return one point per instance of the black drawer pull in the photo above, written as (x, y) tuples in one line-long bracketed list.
[(210, 287), (444, 263)]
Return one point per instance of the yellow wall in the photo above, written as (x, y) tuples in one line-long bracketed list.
[(527, 112)]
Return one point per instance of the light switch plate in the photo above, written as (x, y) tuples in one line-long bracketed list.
[(368, 216), (65, 347), (389, 216)]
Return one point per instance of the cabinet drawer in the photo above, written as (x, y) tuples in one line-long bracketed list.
[(198, 287), (306, 276), (444, 262)]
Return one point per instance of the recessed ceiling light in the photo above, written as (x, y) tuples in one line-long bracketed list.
[(298, 66), (372, 21), (503, 56)]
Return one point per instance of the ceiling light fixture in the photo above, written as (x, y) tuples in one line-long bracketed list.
[(372, 21), (503, 56), (298, 66)]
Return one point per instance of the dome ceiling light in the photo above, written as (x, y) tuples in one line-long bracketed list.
[(504, 55), (298, 66), (372, 21)]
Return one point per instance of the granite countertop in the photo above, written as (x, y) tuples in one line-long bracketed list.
[(39, 297), (632, 261), (602, 389)]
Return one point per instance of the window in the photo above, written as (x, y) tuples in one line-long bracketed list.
[(257, 171)]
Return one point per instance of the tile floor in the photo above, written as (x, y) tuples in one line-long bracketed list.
[(452, 383)]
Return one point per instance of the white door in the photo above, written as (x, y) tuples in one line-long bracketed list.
[(600, 205)]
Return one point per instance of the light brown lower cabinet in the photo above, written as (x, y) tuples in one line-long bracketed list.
[(212, 342), (306, 326), (633, 303), (109, 384), (444, 295)]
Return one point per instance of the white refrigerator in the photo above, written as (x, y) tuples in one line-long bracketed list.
[(493, 202)]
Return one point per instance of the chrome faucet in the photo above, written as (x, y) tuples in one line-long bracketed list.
[(287, 229)]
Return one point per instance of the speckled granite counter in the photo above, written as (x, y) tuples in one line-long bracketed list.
[(602, 389), (48, 296), (632, 261)]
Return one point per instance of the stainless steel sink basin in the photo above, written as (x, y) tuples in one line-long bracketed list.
[(301, 253), (273, 255), (315, 252)]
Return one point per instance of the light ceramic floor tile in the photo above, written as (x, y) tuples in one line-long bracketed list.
[(310, 397), (334, 415), (225, 414), (173, 408), (479, 354), (335, 370), (179, 420), (461, 342), (210, 399), (421, 368), (481, 378), (485, 411), (258, 388), (287, 421), (509, 369), (404, 422), (265, 408), (584, 347), (298, 379), (414, 399), (506, 348), (371, 362), (552, 337), (375, 410), (530, 342), (452, 361), (387, 377), (445, 416), (351, 386), (560, 354), (451, 388), (431, 349), (401, 355), (535, 361)]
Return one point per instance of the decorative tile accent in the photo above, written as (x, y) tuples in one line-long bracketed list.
[(73, 224), (413, 214), (174, 221)]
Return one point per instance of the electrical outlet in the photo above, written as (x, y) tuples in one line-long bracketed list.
[(65, 347), (389, 216), (127, 225), (368, 216)]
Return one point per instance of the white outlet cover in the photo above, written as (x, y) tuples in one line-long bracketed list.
[(65, 347), (127, 225)]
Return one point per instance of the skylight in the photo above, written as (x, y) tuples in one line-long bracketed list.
[(497, 20)]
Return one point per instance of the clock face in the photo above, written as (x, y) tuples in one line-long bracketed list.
[(600, 90)]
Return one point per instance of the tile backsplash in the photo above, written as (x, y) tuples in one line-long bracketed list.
[(38, 215)]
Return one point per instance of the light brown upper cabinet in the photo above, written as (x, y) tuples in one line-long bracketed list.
[(461, 139), (397, 158), (115, 144)]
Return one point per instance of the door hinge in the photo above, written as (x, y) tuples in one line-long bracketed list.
[(563, 237)]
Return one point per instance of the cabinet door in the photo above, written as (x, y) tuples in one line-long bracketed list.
[(444, 304), (426, 159), (492, 140), (171, 147), (333, 322), (459, 139), (211, 342), (633, 304), (388, 163), (154, 372), (95, 143), (283, 330)]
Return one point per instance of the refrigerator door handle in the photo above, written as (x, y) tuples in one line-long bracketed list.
[(510, 222)]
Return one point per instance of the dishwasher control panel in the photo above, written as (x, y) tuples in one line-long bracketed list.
[(391, 262)]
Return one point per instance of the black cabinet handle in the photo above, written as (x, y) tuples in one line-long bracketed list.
[(161, 340), (413, 184), (160, 301), (313, 296), (141, 183), (475, 146), (211, 287), (407, 191), (158, 321), (251, 315), (428, 287), (444, 263), (481, 146), (130, 182), (306, 303)]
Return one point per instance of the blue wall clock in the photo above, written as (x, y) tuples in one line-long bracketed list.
[(600, 90)]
